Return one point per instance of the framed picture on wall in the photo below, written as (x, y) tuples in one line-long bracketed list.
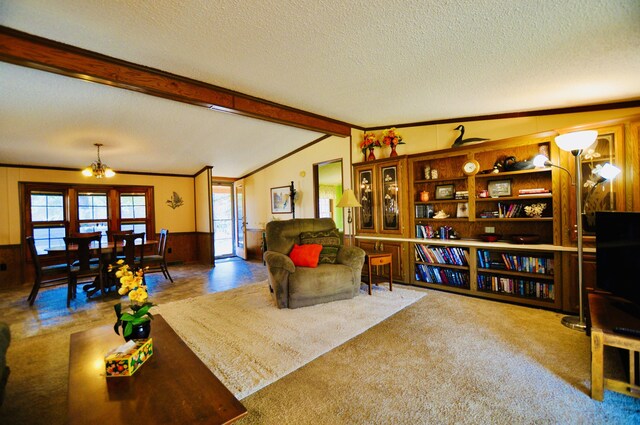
[(281, 200)]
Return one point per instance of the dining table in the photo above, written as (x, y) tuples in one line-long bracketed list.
[(105, 251)]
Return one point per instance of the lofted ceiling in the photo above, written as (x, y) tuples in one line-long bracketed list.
[(367, 63)]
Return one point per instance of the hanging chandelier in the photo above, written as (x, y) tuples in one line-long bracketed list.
[(98, 169)]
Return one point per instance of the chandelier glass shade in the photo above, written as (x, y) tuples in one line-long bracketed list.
[(98, 169)]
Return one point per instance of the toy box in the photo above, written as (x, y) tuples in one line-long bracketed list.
[(126, 359)]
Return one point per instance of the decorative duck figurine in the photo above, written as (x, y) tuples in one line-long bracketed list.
[(460, 141)]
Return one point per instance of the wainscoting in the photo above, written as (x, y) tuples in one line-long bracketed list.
[(254, 244), (182, 248)]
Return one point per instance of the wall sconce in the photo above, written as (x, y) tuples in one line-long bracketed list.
[(98, 169)]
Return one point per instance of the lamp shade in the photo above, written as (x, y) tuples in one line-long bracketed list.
[(608, 171), (577, 140), (541, 161), (348, 200)]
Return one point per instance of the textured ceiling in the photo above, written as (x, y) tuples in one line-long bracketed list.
[(369, 63)]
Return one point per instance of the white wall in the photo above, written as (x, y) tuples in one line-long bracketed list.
[(299, 169)]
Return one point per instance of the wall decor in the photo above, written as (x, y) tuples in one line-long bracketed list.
[(463, 210), (445, 191), (499, 188), (281, 200), (175, 201)]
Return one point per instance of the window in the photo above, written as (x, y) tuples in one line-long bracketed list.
[(47, 217), (53, 211), (133, 212), (93, 214)]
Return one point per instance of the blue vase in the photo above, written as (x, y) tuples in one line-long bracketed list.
[(141, 331)]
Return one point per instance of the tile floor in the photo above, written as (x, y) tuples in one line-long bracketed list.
[(50, 312)]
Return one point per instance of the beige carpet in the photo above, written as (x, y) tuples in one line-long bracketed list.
[(449, 359), (444, 359), (248, 343)]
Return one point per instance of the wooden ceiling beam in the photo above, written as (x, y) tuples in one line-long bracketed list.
[(24, 49)]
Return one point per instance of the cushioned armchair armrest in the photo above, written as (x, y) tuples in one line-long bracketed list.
[(278, 260), (351, 256)]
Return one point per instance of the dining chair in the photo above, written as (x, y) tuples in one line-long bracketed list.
[(126, 244), (45, 276), (84, 261), (158, 262), (110, 235)]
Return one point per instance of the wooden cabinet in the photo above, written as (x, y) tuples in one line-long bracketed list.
[(398, 254), (381, 189)]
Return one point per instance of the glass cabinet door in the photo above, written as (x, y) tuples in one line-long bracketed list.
[(365, 196), (390, 201), (599, 194)]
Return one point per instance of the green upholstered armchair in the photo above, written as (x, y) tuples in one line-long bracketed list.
[(295, 287)]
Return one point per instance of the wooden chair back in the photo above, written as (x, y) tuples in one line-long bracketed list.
[(85, 252), (112, 233), (129, 248), (162, 242), (31, 243)]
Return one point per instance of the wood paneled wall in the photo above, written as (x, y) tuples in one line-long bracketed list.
[(254, 244), (10, 257), (181, 248)]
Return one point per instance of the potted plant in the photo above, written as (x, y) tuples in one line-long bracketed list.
[(392, 138), (369, 141), (136, 322)]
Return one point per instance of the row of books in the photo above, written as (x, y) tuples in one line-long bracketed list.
[(519, 263), (510, 210), (444, 276), (525, 288), (425, 232), (442, 255), (424, 211)]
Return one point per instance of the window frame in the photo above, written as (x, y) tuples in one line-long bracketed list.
[(70, 192)]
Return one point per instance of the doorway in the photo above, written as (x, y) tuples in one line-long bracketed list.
[(327, 177), (223, 219)]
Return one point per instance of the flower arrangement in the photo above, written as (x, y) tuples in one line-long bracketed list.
[(535, 210), (391, 137), (369, 140), (133, 284)]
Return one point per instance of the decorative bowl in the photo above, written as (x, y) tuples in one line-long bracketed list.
[(490, 237), (525, 239)]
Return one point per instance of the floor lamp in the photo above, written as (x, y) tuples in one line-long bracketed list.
[(575, 143), (606, 172), (349, 201)]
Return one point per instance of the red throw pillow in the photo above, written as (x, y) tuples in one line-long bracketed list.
[(306, 255)]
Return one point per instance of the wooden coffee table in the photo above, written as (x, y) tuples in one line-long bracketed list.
[(172, 386)]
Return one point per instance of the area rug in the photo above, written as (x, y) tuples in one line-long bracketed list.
[(248, 343)]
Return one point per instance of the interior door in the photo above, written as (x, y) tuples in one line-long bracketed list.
[(241, 224)]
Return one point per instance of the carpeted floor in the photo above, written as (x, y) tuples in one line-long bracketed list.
[(448, 359), (444, 359), (248, 343)]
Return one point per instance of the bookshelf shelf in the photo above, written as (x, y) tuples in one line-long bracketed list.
[(506, 215)]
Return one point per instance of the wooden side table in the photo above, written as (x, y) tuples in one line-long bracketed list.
[(377, 259), (606, 314)]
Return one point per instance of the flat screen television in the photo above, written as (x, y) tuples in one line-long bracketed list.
[(618, 254)]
